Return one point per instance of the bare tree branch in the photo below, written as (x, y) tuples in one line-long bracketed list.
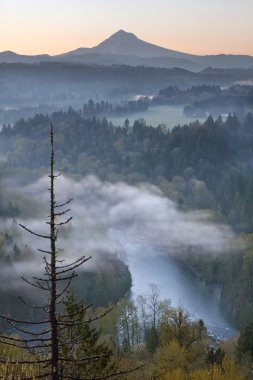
[(64, 204), (34, 233)]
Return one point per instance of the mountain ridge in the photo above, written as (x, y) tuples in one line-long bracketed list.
[(126, 48)]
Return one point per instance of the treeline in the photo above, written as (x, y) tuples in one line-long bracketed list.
[(104, 109), (204, 166), (8, 115), (90, 109), (205, 99), (198, 101), (171, 344), (176, 95), (149, 320), (165, 341)]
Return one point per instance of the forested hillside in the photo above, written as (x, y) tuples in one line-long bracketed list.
[(199, 166), (207, 166)]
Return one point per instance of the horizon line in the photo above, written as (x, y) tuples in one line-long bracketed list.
[(122, 30)]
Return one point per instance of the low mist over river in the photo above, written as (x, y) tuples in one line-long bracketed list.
[(155, 115), (149, 265)]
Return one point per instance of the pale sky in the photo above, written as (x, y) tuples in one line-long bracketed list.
[(193, 26)]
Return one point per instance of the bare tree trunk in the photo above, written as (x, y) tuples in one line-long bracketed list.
[(47, 339), (53, 295)]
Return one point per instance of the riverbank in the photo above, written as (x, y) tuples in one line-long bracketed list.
[(148, 264)]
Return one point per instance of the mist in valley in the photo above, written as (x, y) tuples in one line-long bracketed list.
[(135, 224), (140, 212)]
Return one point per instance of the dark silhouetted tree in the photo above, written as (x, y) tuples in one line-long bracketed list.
[(55, 361)]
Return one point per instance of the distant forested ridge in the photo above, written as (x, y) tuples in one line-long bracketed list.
[(53, 84), (202, 100)]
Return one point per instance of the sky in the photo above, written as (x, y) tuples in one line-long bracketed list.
[(193, 26)]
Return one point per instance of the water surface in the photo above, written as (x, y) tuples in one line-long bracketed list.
[(155, 115), (149, 264)]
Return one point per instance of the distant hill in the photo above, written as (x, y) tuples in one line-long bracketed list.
[(11, 57), (125, 48)]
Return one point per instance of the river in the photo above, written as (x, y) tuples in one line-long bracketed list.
[(168, 115), (151, 265)]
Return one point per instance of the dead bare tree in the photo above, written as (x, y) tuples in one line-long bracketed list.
[(45, 338), (44, 341)]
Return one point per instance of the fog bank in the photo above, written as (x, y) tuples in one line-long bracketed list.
[(140, 211)]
